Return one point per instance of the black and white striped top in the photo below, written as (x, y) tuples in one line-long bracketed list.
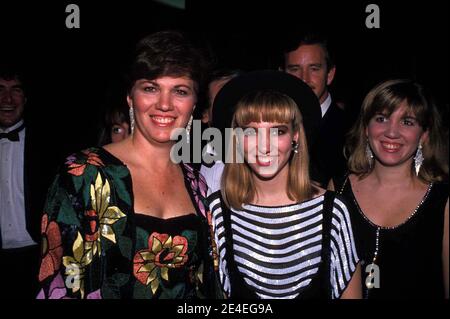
[(277, 250)]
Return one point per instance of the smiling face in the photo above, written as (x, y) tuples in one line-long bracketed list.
[(162, 105), (394, 138), (267, 148), (12, 102), (308, 63), (265, 123)]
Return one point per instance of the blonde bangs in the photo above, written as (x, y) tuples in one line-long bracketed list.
[(238, 187), (264, 107)]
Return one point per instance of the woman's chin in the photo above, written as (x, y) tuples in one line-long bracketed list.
[(265, 173)]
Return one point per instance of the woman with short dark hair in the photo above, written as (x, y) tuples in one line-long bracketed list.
[(124, 220)]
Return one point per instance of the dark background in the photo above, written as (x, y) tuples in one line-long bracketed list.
[(71, 72)]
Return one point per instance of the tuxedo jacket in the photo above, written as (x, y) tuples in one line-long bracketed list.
[(41, 157), (330, 145)]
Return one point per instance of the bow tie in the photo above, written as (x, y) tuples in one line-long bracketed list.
[(13, 135)]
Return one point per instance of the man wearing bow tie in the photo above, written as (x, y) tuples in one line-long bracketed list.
[(19, 195)]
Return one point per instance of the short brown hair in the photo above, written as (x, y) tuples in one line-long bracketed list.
[(167, 53)]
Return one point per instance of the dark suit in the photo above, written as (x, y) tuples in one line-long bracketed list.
[(20, 266), (40, 163), (330, 144)]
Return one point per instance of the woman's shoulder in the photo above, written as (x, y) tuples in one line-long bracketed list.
[(341, 207), (341, 201), (88, 162), (436, 197), (441, 187), (77, 162), (192, 172), (339, 182), (88, 175), (197, 185)]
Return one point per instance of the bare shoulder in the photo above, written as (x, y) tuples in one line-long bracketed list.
[(355, 179), (362, 184), (114, 147), (120, 149)]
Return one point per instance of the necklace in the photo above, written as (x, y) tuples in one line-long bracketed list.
[(373, 278), (372, 268)]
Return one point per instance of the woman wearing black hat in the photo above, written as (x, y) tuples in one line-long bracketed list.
[(277, 234)]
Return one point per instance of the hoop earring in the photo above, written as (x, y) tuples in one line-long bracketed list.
[(132, 123), (369, 154), (418, 159), (295, 146), (188, 129)]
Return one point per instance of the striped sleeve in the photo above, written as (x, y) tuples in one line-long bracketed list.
[(219, 237), (343, 255)]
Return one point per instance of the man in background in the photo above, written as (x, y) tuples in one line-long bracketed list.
[(25, 173), (308, 58)]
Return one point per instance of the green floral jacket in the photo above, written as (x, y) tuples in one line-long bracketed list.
[(89, 237)]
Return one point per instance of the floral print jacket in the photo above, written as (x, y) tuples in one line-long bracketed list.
[(89, 234)]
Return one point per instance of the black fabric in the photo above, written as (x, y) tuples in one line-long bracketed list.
[(227, 98), (40, 166), (19, 268), (309, 106), (326, 289), (410, 255), (13, 135), (172, 226), (318, 288), (40, 158), (330, 145)]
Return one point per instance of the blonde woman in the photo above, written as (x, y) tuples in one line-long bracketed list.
[(277, 234)]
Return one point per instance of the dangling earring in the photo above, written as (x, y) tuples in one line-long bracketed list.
[(132, 119), (188, 129), (369, 154), (418, 159), (295, 146)]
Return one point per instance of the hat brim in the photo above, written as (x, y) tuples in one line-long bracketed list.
[(228, 97)]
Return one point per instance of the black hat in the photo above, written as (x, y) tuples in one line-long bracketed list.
[(307, 102)]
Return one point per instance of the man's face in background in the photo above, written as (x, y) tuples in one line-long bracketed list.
[(12, 102)]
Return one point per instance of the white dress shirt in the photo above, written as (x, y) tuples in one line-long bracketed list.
[(213, 174), (12, 201), (325, 105)]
